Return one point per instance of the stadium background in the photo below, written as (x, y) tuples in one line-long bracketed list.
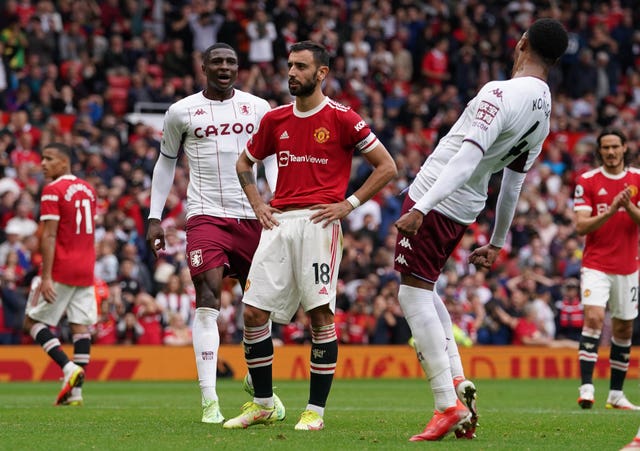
[(99, 74)]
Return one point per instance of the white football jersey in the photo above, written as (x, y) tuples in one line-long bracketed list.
[(213, 134), (508, 121)]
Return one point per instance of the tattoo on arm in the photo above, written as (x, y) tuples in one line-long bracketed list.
[(246, 178)]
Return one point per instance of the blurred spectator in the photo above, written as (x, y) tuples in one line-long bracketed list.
[(390, 325), (104, 332), (173, 299), (262, 34), (23, 218), (107, 264), (570, 316), (149, 316), (129, 329), (177, 333), (297, 331)]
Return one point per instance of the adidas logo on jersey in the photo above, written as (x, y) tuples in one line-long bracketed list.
[(323, 290), (400, 259), (199, 111), (602, 192), (284, 135), (404, 242)]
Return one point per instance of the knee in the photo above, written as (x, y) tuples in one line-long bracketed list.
[(254, 317), (27, 325), (321, 316)]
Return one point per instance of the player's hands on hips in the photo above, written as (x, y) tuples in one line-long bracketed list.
[(48, 291), (155, 236), (409, 223), (264, 213), (484, 256), (327, 213)]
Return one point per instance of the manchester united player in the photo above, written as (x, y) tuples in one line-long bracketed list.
[(502, 128), (606, 206), (66, 285), (212, 127), (297, 260)]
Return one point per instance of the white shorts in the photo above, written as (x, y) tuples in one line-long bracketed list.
[(295, 263), (79, 303), (619, 292)]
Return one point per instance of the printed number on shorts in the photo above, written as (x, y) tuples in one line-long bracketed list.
[(83, 212), (322, 272), (634, 294)]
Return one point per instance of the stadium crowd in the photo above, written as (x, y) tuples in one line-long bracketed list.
[(71, 70)]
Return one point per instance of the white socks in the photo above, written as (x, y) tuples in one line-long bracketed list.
[(206, 342), (452, 346), (420, 312)]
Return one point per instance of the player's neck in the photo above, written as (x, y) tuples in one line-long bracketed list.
[(529, 69), (308, 103), (613, 170), (220, 96)]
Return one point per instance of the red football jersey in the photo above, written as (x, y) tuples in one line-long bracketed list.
[(314, 151), (613, 248), (72, 202)]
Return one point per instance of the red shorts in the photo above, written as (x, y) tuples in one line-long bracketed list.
[(425, 254), (229, 242)]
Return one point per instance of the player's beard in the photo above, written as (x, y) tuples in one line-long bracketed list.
[(304, 89)]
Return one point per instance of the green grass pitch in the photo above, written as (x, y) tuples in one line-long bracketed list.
[(361, 415)]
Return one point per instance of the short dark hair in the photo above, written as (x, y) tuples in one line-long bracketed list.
[(61, 148), (320, 53), (548, 39), (612, 131), (623, 139), (217, 45)]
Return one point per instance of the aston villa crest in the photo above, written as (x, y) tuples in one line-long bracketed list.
[(196, 258)]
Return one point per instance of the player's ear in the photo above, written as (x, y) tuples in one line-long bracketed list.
[(524, 42), (323, 71)]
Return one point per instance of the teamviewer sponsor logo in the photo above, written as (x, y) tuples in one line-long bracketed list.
[(283, 158)]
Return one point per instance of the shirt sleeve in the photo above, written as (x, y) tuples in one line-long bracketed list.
[(490, 116), (581, 196), (49, 205), (358, 133), (261, 144), (172, 133)]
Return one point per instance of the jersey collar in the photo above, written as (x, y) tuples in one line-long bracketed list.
[(303, 114)]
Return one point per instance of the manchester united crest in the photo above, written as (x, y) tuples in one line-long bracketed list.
[(196, 258), (321, 135)]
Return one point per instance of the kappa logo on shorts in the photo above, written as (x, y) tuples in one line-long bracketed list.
[(196, 258), (400, 259), (404, 242), (323, 290)]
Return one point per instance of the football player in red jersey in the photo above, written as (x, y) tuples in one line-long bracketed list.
[(607, 213), (297, 260), (66, 283)]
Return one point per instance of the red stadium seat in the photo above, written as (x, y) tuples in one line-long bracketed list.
[(118, 81)]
